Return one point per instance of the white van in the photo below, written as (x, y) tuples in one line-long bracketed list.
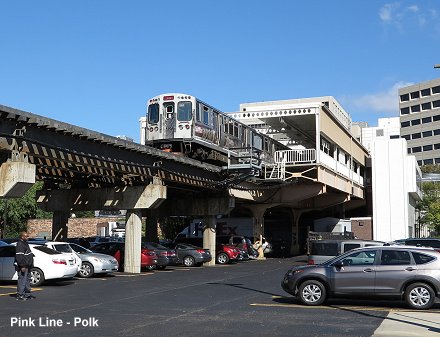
[(323, 250)]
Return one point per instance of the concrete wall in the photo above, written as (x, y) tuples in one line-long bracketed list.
[(77, 227), (393, 181)]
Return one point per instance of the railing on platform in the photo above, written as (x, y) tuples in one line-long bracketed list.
[(301, 156)]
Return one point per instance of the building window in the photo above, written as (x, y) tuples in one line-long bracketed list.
[(427, 147), (436, 90), (428, 162), (437, 146), (407, 137), (419, 162), (394, 137), (415, 122), (415, 108), (416, 135), (436, 132), (436, 104), (415, 95), (426, 106), (437, 160), (404, 124), (409, 151), (416, 149), (436, 118), (404, 111), (404, 97), (426, 92), (426, 120), (427, 133)]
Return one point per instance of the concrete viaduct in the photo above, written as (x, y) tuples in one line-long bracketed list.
[(87, 170)]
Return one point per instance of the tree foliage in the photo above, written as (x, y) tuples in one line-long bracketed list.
[(429, 206), (15, 212)]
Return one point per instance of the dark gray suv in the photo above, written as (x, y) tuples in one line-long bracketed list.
[(411, 273)]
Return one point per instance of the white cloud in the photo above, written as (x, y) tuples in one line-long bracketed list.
[(384, 102), (400, 16)]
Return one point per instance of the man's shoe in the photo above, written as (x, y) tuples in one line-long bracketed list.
[(21, 298), (29, 296)]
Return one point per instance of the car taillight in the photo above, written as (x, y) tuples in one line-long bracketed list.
[(60, 261), (201, 251), (311, 261)]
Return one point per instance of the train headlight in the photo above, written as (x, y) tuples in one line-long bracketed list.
[(151, 129), (187, 126), (181, 127), (156, 129)]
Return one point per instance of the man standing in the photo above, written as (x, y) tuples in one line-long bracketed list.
[(25, 260)]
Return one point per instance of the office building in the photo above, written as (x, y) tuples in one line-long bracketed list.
[(419, 106)]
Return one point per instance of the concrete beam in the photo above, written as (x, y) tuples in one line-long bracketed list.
[(116, 198), (16, 177), (195, 206)]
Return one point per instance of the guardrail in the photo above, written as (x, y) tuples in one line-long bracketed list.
[(295, 156)]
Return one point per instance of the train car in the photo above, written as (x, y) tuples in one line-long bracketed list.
[(181, 123)]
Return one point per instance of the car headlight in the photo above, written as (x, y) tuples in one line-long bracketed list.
[(292, 272)]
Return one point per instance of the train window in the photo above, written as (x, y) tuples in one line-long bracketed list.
[(206, 116), (153, 113), (235, 130), (169, 110), (257, 141), (199, 112), (184, 111)]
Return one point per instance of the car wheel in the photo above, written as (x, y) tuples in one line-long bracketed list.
[(189, 261), (419, 296), (37, 277), (86, 270), (222, 258), (312, 292)]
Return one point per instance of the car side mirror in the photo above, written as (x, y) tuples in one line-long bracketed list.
[(338, 264)]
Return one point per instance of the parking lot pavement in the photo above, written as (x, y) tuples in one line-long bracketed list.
[(236, 300)]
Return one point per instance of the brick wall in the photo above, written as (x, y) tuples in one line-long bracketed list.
[(77, 227), (362, 228)]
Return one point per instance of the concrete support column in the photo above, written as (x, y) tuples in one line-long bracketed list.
[(133, 228), (151, 229), (294, 247), (209, 237), (59, 225), (258, 213)]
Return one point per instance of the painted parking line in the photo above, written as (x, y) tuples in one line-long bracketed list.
[(14, 292), (339, 307)]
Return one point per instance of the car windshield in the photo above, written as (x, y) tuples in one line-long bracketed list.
[(79, 249), (63, 248), (153, 245), (46, 250), (187, 246)]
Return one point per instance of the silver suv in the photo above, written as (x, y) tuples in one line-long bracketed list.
[(411, 273)]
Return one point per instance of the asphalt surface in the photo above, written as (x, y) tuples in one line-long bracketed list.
[(243, 299)]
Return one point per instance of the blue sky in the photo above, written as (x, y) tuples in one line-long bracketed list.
[(95, 63)]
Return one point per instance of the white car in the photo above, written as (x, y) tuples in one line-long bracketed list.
[(64, 247), (48, 264)]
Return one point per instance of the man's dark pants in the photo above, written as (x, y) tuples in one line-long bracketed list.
[(24, 283)]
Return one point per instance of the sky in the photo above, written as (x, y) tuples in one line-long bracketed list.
[(95, 64)]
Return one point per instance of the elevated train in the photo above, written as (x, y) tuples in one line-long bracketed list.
[(184, 124)]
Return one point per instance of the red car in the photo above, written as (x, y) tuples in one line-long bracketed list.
[(116, 249), (226, 254)]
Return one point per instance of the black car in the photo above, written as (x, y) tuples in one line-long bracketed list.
[(165, 256), (421, 242)]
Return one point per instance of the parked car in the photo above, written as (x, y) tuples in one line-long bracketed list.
[(324, 250), (48, 264), (117, 250), (94, 263), (165, 256), (64, 247), (94, 240), (190, 255), (421, 242), (404, 272), (223, 253), (2, 243)]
